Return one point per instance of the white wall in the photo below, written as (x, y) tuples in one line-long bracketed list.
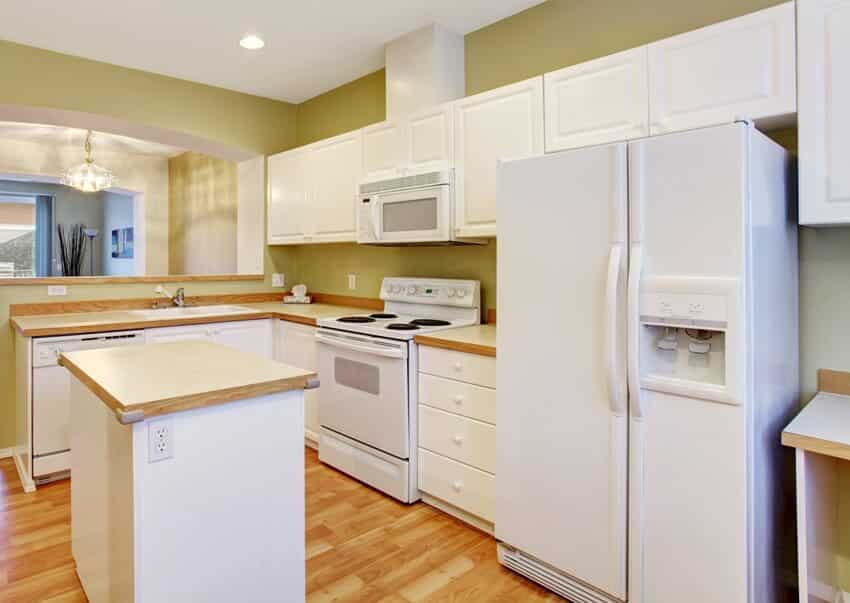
[(134, 173), (117, 213)]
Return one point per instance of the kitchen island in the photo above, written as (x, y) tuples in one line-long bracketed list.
[(188, 474)]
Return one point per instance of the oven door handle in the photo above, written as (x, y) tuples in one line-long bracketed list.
[(387, 352)]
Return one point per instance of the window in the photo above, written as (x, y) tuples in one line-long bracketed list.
[(17, 236)]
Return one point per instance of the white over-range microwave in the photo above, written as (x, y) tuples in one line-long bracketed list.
[(409, 210)]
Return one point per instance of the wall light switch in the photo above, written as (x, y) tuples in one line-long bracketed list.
[(352, 281), (278, 280), (57, 290)]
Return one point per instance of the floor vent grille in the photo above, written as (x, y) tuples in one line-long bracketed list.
[(545, 576)]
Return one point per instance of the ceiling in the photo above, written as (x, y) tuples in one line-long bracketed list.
[(57, 136), (311, 46)]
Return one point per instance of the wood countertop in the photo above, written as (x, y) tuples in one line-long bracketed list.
[(477, 339), (138, 382), (121, 320), (823, 426)]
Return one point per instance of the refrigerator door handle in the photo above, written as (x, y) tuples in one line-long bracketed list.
[(615, 393), (636, 264)]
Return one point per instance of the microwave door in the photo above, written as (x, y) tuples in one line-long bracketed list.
[(411, 216)]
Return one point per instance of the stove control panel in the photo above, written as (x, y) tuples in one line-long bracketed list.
[(443, 292)]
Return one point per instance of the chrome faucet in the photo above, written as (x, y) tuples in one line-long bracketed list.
[(178, 299)]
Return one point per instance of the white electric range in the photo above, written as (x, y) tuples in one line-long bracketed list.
[(368, 365)]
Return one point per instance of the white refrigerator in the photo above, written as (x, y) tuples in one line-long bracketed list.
[(647, 362)]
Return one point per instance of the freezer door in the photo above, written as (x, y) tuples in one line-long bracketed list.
[(688, 453), (561, 405)]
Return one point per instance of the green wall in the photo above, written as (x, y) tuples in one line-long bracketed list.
[(351, 106), (40, 78)]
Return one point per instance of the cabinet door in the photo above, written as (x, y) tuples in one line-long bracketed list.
[(744, 68), (288, 201), (430, 136), (166, 334), (506, 123), (605, 100), (297, 346), (384, 150), (824, 120), (250, 336), (335, 174)]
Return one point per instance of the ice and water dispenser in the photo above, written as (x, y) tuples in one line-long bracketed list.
[(687, 331)]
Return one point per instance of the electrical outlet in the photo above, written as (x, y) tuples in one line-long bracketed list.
[(352, 281), (278, 280), (57, 290), (160, 440)]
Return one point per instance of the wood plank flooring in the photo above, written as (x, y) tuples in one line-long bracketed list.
[(361, 547)]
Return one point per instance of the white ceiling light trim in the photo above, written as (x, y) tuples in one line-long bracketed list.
[(88, 176), (252, 42)]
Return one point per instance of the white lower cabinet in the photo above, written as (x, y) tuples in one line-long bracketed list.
[(295, 344), (251, 336), (457, 433)]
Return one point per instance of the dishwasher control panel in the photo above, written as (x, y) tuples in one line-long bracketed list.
[(46, 350)]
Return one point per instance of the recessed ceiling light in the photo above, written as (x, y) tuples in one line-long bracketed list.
[(252, 42)]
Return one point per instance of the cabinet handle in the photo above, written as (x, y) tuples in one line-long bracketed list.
[(458, 439), (457, 486), (458, 399), (458, 366)]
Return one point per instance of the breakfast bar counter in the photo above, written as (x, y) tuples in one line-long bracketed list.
[(187, 474)]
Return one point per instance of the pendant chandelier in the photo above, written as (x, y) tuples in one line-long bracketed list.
[(88, 176)]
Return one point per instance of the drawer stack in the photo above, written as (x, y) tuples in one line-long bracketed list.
[(457, 433)]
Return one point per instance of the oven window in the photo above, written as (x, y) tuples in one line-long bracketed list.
[(416, 214), (357, 375)]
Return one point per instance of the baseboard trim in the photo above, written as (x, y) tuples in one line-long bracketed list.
[(457, 513), (7, 453), (26, 481)]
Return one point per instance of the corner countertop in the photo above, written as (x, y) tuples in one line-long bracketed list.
[(477, 339), (138, 382), (823, 426), (119, 320)]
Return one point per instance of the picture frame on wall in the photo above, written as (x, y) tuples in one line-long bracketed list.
[(122, 243)]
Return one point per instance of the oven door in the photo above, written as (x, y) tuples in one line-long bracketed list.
[(414, 216), (364, 389)]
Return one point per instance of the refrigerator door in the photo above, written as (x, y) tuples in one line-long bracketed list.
[(688, 454), (561, 458)]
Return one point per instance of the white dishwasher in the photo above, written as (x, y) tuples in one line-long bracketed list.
[(51, 391)]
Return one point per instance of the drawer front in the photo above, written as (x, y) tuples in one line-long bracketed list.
[(458, 397), (464, 487), (465, 440), (471, 368)]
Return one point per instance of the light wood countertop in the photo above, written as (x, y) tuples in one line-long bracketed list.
[(823, 426), (138, 382), (477, 339), (120, 320)]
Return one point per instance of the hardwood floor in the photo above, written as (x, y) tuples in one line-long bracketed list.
[(361, 546)]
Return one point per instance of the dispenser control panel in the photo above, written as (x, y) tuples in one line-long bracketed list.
[(684, 309)]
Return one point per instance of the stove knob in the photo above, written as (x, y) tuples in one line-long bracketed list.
[(395, 289), (461, 293), (411, 290), (450, 292)]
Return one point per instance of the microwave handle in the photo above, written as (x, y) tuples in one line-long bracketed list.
[(376, 214)]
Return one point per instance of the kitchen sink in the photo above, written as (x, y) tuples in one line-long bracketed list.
[(192, 311)]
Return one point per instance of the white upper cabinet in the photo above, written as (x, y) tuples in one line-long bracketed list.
[(384, 150), (288, 182), (505, 123), (823, 121), (600, 101), (743, 68), (430, 139), (313, 192), (335, 166), (419, 142)]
